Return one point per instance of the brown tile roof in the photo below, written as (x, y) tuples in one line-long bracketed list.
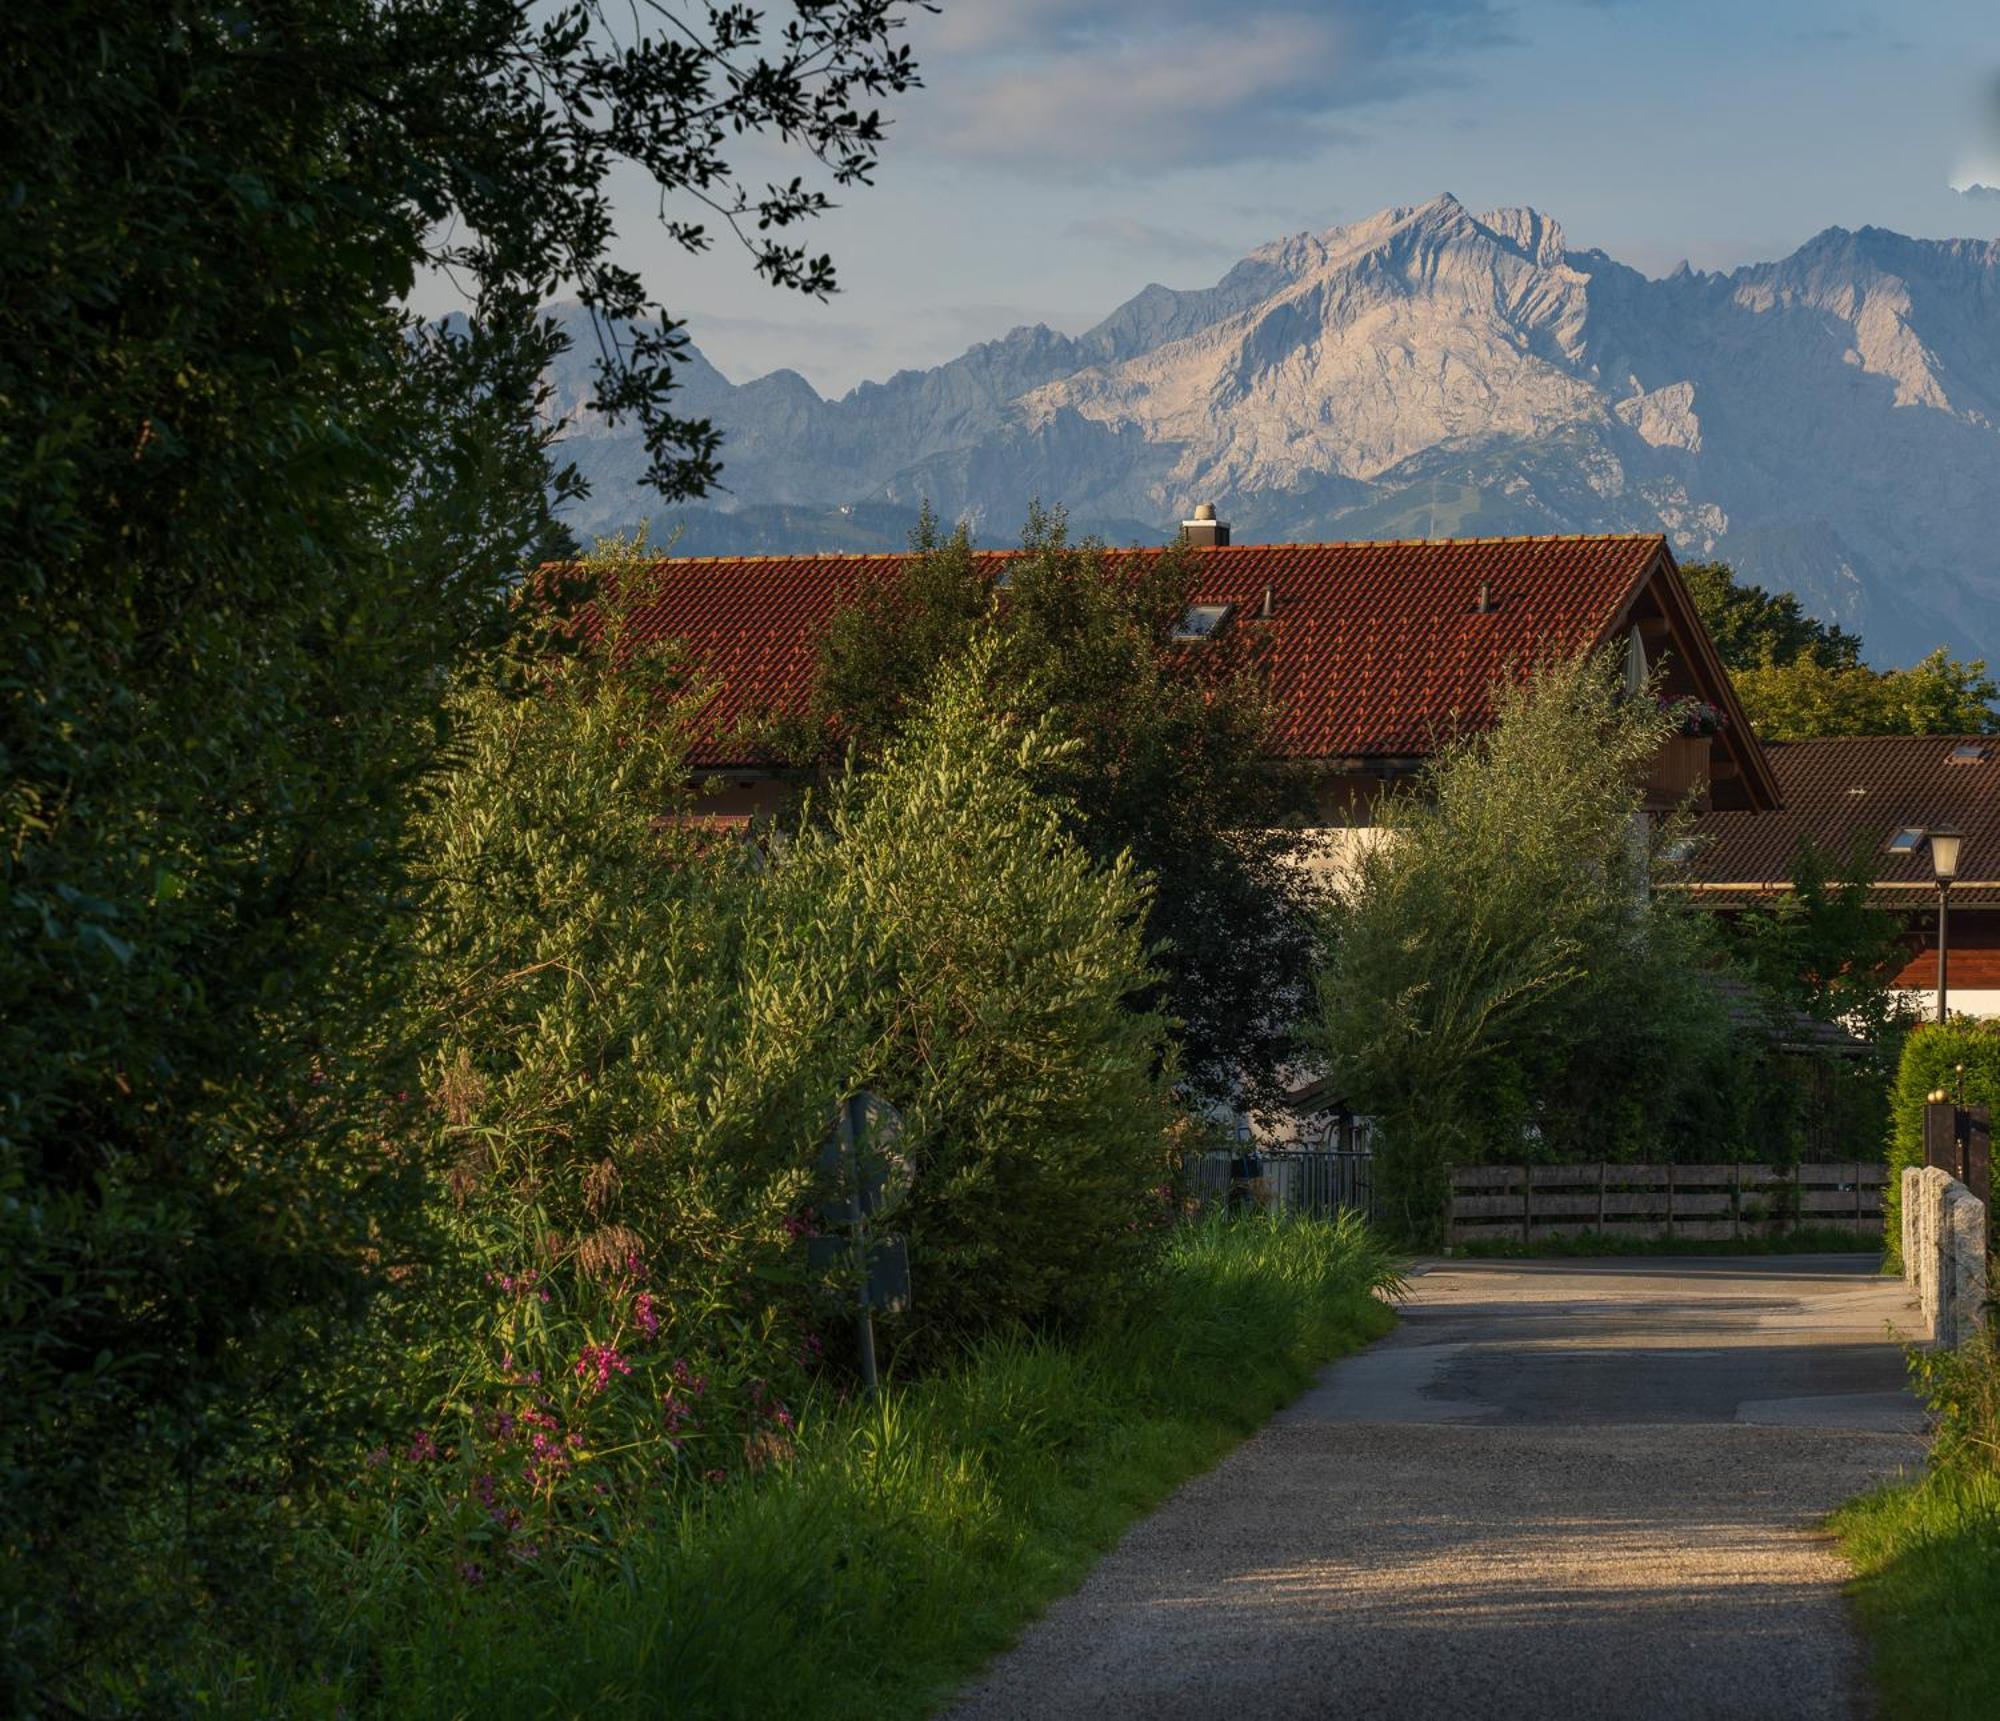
[(1863, 789), (1377, 649)]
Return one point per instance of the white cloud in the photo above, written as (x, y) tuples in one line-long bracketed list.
[(1073, 87)]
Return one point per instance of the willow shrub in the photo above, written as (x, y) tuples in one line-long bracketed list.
[(1932, 1058), (640, 1032), (1496, 971), (999, 965)]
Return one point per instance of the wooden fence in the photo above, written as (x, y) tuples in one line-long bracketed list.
[(1695, 1202)]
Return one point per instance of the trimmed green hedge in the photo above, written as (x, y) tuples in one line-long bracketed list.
[(1931, 1057)]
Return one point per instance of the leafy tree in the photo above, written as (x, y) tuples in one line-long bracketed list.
[(1752, 627), (1165, 758), (1496, 973), (1802, 700), (256, 512), (1800, 678), (1822, 947)]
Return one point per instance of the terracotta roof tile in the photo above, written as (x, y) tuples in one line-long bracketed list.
[(1377, 649), (1845, 790)]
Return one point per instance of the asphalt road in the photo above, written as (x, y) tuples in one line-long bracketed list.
[(1561, 1489)]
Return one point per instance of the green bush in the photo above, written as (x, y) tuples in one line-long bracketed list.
[(1001, 967), (1933, 1057), (1497, 982), (640, 1033)]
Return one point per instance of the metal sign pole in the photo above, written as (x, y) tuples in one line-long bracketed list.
[(864, 1324)]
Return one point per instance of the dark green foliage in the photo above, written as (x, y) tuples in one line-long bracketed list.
[(1962, 1059), (254, 516), (1752, 627), (1163, 764)]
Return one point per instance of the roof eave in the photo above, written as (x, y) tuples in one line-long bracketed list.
[(1759, 780)]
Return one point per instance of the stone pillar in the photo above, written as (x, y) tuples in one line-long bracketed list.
[(1913, 1254), (1962, 1268), (1930, 1247)]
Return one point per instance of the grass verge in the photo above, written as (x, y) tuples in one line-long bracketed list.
[(1807, 1240), (1927, 1559), (905, 1542), (1927, 1553)]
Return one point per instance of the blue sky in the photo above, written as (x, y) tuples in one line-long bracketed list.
[(1066, 152)]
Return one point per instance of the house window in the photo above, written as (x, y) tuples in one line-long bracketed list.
[(1203, 621), (1907, 841)]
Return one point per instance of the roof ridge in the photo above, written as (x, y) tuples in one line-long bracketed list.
[(1162, 549)]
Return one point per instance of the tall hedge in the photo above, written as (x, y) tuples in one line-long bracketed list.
[(1932, 1058)]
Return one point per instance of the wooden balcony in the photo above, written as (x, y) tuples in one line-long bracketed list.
[(1681, 769)]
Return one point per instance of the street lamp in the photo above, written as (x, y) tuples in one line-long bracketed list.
[(1944, 862)]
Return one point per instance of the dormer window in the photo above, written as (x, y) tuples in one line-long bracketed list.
[(1203, 622)]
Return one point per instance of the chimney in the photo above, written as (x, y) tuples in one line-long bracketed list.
[(1204, 531)]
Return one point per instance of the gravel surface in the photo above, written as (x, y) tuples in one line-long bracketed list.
[(1560, 1489)]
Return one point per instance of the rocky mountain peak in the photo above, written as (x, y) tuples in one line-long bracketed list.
[(1831, 419)]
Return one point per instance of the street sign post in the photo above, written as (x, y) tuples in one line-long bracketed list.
[(867, 1178)]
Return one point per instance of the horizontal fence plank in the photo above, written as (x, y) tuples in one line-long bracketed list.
[(1564, 1206), (1486, 1206), (1540, 1174), (1484, 1176), (1840, 1172), (1836, 1201), (1614, 1202), (1690, 1205)]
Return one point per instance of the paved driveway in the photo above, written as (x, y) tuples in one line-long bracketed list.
[(1560, 1489)]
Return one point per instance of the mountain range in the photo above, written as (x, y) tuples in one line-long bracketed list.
[(1830, 423)]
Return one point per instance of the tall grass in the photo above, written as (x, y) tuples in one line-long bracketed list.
[(908, 1538), (1927, 1552)]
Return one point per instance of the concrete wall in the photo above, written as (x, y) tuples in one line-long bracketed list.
[(1944, 1253)]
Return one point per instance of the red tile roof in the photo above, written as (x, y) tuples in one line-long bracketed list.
[(1864, 789), (1378, 650)]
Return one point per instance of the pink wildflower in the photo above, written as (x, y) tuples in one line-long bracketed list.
[(643, 1313), (600, 1361)]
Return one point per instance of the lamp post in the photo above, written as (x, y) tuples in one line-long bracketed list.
[(1944, 862)]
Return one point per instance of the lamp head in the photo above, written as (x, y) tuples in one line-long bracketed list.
[(1944, 854)]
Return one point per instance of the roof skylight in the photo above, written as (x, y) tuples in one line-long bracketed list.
[(1203, 621), (1967, 753), (1907, 841)]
